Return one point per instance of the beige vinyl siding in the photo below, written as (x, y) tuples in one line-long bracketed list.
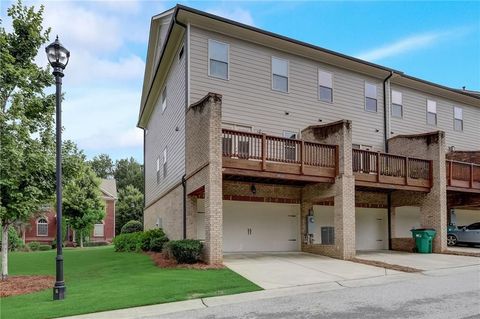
[(248, 97), (414, 119), (162, 133)]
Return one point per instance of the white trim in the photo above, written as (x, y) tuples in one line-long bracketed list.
[(36, 226), (188, 65), (288, 74), (228, 59)]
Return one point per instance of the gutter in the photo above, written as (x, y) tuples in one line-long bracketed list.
[(385, 135), (184, 185)]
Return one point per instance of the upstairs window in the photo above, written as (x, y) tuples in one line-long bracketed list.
[(397, 104), (164, 99), (431, 112), (458, 119), (218, 59), (325, 86), (42, 227), (158, 170), (165, 162), (279, 74), (370, 97)]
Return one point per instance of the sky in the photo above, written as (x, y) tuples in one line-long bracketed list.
[(436, 41)]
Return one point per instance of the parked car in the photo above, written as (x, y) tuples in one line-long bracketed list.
[(464, 234)]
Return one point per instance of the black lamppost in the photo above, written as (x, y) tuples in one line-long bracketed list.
[(58, 57)]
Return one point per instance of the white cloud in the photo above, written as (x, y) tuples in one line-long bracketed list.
[(409, 44), (121, 6), (236, 14)]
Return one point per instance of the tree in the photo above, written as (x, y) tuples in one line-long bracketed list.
[(82, 201), (129, 172), (129, 207), (102, 165), (27, 165)]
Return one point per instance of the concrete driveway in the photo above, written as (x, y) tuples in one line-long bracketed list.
[(279, 270), (419, 261)]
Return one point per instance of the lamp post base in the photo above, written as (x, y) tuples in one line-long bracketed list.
[(59, 291)]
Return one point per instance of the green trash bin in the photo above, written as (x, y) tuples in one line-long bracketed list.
[(423, 239)]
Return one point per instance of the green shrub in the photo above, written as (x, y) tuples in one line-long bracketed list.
[(44, 247), (95, 243), (34, 245), (153, 240), (187, 251), (128, 242), (14, 242), (132, 226)]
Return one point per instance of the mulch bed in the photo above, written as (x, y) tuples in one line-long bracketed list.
[(161, 260), (20, 285), (385, 265)]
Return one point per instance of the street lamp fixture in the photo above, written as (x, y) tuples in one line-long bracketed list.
[(58, 57)]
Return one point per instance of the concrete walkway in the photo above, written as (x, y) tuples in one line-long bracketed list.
[(419, 261), (280, 270)]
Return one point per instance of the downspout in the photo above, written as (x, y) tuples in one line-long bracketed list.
[(385, 134), (184, 181)]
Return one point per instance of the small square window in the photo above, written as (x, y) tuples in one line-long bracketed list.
[(431, 112), (279, 74), (458, 119), (165, 162), (158, 170), (164, 99), (397, 104), (325, 86)]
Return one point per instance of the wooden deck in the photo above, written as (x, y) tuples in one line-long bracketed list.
[(463, 177), (381, 170)]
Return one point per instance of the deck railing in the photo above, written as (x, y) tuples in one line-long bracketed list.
[(463, 175), (382, 168), (266, 149)]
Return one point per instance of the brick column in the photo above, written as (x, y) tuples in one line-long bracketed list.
[(338, 133), (433, 206)]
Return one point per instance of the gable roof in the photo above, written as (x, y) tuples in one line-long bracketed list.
[(184, 14), (109, 188)]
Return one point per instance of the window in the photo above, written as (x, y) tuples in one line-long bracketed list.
[(218, 59), (431, 112), (42, 227), (325, 86), (397, 104), (158, 170), (370, 97), (290, 146), (98, 230), (164, 99), (457, 119), (279, 74), (473, 226), (180, 54), (165, 162)]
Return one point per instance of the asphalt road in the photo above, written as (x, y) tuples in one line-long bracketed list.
[(454, 294)]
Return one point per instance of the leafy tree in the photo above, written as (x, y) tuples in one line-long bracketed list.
[(129, 172), (129, 207), (102, 165), (27, 163), (82, 201)]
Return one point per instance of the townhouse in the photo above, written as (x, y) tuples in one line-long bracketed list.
[(258, 142)]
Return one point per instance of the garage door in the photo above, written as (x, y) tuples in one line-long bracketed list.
[(249, 226), (371, 229)]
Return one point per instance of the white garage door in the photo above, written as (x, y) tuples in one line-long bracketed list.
[(249, 226), (465, 217), (371, 228)]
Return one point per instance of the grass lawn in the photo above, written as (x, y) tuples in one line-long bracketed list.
[(99, 279)]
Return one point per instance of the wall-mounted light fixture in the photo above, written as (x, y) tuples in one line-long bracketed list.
[(253, 189), (287, 113)]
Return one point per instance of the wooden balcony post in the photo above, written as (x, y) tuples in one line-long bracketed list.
[(264, 152), (407, 173), (430, 173), (378, 167), (471, 175), (302, 156)]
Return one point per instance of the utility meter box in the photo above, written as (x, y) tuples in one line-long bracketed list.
[(311, 224)]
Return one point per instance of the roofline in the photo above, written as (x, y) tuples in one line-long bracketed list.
[(179, 7)]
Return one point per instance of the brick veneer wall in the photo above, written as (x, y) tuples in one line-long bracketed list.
[(433, 205), (31, 229)]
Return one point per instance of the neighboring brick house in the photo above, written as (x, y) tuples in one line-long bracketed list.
[(258, 142), (42, 227)]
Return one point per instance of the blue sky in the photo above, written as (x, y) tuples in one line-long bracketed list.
[(437, 41)]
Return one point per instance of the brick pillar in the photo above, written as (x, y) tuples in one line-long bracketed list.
[(213, 188), (433, 206), (340, 133)]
